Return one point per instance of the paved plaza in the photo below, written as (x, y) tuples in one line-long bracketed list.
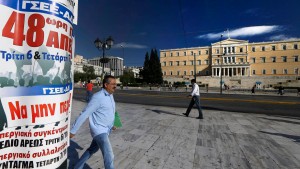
[(155, 137)]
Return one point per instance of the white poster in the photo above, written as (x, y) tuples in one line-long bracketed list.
[(36, 82)]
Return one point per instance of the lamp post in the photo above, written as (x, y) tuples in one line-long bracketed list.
[(122, 51), (195, 67), (104, 45), (110, 65), (221, 61), (123, 60)]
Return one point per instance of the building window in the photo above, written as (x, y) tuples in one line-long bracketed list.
[(273, 59), (263, 71), (253, 49), (274, 71), (164, 54), (165, 73), (171, 73), (273, 48), (253, 72), (229, 59), (184, 73), (284, 59), (192, 62), (178, 72), (217, 51), (177, 53), (296, 59), (225, 59), (199, 52), (192, 53), (295, 46), (242, 60), (207, 62), (233, 49), (192, 72), (263, 59), (171, 54), (253, 60), (241, 50), (184, 63), (283, 47), (263, 48), (206, 52), (165, 64), (296, 71), (285, 71), (171, 63), (177, 63), (184, 53), (233, 59), (199, 62)]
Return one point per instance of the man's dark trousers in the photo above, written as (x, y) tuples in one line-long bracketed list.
[(195, 99)]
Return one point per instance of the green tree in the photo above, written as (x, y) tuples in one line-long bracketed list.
[(157, 69), (146, 70), (154, 71), (89, 71), (127, 77)]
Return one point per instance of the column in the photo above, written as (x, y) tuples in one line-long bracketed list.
[(228, 74)]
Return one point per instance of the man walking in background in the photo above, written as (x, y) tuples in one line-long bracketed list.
[(89, 91), (195, 99), (101, 113)]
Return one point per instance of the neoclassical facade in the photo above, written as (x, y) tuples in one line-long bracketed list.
[(233, 58), (116, 64)]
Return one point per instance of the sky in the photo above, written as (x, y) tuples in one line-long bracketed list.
[(141, 25)]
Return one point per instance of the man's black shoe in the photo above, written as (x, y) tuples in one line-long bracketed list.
[(199, 117), (185, 114)]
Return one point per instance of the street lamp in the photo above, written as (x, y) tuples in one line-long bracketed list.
[(123, 60), (104, 45), (122, 51), (221, 61)]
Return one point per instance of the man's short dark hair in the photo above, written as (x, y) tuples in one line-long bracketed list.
[(106, 79), (193, 81)]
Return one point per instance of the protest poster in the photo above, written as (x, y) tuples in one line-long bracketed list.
[(36, 82)]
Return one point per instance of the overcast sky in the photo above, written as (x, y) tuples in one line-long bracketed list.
[(139, 25)]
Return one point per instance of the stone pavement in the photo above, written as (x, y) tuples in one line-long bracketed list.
[(155, 137)]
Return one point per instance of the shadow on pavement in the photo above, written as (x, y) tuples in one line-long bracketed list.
[(281, 120), (73, 156), (295, 138)]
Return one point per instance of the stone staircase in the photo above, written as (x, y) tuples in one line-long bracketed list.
[(289, 84)]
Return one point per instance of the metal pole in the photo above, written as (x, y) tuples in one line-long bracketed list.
[(123, 61), (110, 65), (221, 61), (103, 53), (195, 67)]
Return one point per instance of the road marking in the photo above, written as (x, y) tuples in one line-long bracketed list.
[(216, 99)]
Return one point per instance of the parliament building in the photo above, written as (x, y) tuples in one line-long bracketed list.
[(237, 62)]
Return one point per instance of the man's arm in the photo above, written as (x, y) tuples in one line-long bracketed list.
[(89, 109)]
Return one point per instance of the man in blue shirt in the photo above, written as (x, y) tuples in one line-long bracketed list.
[(195, 99), (101, 113)]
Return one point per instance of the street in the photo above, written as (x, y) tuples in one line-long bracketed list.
[(245, 103)]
